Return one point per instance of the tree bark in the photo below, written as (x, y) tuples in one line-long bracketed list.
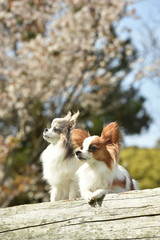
[(130, 215)]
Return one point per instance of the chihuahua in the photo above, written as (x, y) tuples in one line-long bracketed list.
[(58, 159)]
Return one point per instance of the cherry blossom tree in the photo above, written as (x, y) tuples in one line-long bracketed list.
[(58, 56)]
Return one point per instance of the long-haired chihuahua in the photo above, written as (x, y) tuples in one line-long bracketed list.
[(58, 159), (101, 173)]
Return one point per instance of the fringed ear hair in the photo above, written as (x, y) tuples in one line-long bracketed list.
[(111, 134), (78, 137), (73, 120), (68, 116), (75, 116)]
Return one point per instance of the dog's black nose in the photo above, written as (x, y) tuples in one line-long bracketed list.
[(78, 153), (46, 130)]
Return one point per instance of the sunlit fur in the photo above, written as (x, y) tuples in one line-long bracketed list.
[(101, 173), (58, 159)]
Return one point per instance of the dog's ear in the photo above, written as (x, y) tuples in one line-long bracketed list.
[(75, 116), (73, 120), (68, 116), (111, 134), (78, 137)]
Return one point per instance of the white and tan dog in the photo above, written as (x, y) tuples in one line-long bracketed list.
[(101, 173), (58, 159)]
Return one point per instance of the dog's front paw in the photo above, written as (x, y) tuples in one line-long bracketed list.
[(89, 197), (99, 194)]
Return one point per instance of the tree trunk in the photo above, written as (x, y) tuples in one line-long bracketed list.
[(130, 215)]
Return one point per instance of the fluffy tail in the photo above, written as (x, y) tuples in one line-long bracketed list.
[(135, 183)]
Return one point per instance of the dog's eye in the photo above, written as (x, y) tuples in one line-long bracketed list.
[(81, 148), (92, 148), (56, 129)]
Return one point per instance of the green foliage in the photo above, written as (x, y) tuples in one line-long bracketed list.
[(129, 110), (20, 160), (126, 107), (143, 165)]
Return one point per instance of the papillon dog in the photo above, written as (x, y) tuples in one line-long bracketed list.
[(58, 159), (101, 174)]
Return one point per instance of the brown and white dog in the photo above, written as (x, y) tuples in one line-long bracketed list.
[(101, 173), (58, 159)]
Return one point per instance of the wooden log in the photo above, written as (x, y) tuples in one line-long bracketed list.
[(130, 215)]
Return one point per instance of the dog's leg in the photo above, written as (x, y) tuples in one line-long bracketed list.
[(54, 194), (74, 191), (87, 195)]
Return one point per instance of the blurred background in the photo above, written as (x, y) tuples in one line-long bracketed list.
[(101, 57)]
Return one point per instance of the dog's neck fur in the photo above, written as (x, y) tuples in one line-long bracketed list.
[(67, 143)]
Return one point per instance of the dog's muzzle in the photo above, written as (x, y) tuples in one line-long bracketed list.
[(78, 154), (45, 130)]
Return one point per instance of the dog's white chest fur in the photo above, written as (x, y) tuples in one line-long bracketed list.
[(59, 172), (94, 177)]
